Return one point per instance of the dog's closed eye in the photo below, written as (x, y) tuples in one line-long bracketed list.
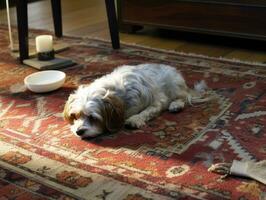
[(92, 118), (73, 116)]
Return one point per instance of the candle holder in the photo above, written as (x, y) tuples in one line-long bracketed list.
[(44, 56)]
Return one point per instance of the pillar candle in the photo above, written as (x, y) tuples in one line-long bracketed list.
[(44, 43)]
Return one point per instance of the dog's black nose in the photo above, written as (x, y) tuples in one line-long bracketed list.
[(80, 131)]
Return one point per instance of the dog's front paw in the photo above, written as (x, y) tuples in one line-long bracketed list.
[(135, 122)]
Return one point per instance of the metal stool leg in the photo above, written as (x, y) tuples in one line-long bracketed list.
[(112, 21), (57, 17), (22, 20)]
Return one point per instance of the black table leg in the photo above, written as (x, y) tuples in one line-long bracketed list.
[(57, 17), (22, 20), (113, 25)]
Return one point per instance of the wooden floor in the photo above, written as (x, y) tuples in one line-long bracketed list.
[(88, 18)]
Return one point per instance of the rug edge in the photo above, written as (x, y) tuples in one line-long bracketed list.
[(180, 53)]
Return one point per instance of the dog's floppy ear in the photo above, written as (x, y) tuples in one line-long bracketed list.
[(69, 112), (113, 112)]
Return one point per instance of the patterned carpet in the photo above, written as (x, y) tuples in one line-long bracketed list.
[(166, 159)]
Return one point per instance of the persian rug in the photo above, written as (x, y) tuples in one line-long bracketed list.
[(167, 159)]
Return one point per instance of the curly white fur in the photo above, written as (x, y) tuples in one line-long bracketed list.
[(141, 92)]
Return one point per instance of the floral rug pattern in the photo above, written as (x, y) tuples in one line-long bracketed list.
[(166, 159)]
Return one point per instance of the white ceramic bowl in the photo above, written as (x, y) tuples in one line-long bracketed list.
[(45, 81)]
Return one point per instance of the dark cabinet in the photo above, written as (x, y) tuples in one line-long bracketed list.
[(238, 18)]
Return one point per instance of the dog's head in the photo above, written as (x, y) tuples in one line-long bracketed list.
[(94, 116)]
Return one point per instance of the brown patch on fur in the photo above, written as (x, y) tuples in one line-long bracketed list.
[(113, 113), (68, 113)]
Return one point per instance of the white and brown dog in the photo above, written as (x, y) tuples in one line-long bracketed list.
[(129, 95)]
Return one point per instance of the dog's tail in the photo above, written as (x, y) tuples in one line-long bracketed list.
[(199, 94)]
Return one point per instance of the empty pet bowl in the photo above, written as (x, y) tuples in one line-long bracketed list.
[(45, 81)]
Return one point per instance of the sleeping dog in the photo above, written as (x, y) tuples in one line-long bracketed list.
[(130, 95)]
